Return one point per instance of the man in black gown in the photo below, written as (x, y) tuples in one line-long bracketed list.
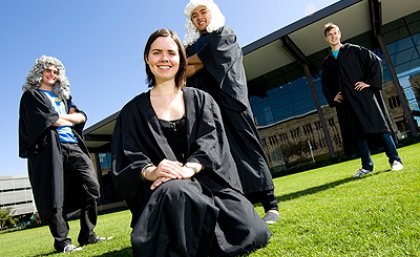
[(351, 82), (62, 175), (215, 66)]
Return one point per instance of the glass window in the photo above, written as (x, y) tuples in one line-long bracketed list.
[(402, 40), (105, 163), (285, 101)]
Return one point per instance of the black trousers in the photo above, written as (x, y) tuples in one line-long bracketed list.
[(77, 163), (266, 198)]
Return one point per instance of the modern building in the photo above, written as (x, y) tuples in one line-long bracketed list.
[(16, 193), (283, 70)]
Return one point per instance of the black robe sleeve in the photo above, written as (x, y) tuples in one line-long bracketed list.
[(77, 127), (129, 156), (372, 67), (208, 142), (35, 117), (329, 80), (223, 59)]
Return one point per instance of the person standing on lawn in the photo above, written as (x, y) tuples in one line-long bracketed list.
[(352, 83), (61, 173), (215, 65)]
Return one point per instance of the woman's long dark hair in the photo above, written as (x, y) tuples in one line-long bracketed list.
[(181, 75)]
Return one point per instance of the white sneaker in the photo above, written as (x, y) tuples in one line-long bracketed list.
[(71, 248), (361, 172), (396, 165), (271, 217)]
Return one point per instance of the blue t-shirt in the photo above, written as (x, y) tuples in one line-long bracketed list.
[(335, 53), (65, 133)]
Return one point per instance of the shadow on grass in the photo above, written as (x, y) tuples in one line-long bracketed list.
[(316, 189), (47, 254), (120, 253), (123, 252)]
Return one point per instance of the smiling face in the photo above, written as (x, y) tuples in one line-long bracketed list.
[(50, 76), (163, 59), (333, 37), (201, 17)]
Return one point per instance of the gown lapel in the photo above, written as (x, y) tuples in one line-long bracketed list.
[(157, 132)]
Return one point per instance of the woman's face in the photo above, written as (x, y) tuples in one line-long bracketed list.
[(201, 18), (163, 59)]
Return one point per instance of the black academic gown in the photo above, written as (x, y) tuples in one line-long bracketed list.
[(362, 113), (183, 217), (223, 76), (39, 143)]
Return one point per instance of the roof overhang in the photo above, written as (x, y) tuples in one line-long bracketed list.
[(353, 17), (98, 136)]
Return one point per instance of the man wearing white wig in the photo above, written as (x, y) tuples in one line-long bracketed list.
[(215, 65), (62, 175)]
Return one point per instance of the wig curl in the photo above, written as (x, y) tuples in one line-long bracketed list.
[(217, 19), (34, 78)]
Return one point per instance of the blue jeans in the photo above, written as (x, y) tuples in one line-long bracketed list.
[(390, 150)]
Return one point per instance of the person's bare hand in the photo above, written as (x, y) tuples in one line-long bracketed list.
[(339, 98), (166, 170), (171, 169), (159, 182), (360, 85), (187, 172)]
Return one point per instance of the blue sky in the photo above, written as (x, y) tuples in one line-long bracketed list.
[(101, 43)]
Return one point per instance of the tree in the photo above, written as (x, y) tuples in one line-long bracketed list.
[(296, 150), (6, 217)]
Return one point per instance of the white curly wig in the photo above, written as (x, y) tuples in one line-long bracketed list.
[(217, 19), (33, 80)]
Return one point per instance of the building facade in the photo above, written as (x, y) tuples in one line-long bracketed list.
[(16, 193)]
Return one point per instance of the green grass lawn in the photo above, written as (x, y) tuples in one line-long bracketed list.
[(324, 212)]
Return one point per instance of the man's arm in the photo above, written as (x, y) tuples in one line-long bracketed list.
[(75, 118), (373, 70), (194, 59), (62, 122), (70, 119), (194, 65)]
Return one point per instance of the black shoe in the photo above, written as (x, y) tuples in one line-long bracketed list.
[(71, 248), (95, 239)]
